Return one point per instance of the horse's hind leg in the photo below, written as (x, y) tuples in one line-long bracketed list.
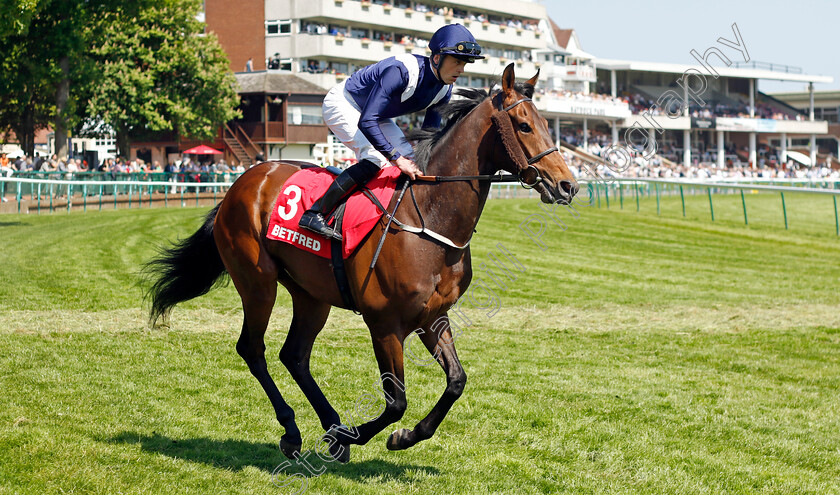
[(388, 347), (257, 301), (308, 320), (441, 345)]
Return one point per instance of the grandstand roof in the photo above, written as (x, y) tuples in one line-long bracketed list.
[(567, 42), (611, 64), (562, 36), (827, 96)]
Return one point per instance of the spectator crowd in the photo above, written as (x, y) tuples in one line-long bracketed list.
[(111, 167)]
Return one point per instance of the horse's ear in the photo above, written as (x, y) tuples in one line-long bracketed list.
[(508, 79), (533, 80)]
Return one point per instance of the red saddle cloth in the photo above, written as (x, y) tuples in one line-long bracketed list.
[(305, 187)]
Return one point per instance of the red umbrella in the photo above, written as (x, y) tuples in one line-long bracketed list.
[(202, 150)]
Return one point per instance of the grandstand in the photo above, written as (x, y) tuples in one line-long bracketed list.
[(725, 128), (323, 41), (589, 101)]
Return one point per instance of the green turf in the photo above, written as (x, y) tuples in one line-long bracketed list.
[(635, 354)]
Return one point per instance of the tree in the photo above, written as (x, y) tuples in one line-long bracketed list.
[(17, 14), (158, 71), (38, 75), (28, 101), (129, 64)]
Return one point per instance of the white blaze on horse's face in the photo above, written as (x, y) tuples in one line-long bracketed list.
[(553, 179)]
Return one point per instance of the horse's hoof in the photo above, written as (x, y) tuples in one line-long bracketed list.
[(398, 440), (339, 451), (289, 449)]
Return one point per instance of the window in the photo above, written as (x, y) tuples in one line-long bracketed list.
[(276, 63), (339, 68), (278, 28), (358, 33), (478, 82), (826, 113), (382, 36), (304, 115)]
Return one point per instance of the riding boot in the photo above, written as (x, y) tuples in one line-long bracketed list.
[(346, 182)]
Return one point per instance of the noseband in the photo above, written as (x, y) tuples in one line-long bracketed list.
[(505, 126)]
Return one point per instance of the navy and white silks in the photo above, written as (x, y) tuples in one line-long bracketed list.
[(361, 109)]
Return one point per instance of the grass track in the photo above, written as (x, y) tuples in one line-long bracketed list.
[(636, 354)]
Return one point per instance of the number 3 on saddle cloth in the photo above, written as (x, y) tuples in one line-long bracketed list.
[(305, 187)]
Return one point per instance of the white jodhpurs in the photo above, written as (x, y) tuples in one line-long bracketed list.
[(342, 117)]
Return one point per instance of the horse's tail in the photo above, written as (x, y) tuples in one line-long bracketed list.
[(189, 268)]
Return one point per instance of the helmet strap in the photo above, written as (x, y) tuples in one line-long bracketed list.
[(436, 66)]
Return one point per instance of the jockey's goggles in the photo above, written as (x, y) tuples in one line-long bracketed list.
[(463, 48)]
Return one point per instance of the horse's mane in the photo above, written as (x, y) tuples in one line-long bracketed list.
[(452, 113)]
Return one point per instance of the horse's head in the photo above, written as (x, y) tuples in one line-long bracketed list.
[(526, 141)]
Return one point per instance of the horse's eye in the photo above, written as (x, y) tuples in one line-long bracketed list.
[(524, 127)]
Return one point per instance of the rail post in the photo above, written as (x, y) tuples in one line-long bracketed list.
[(784, 209), (682, 197), (711, 206), (656, 185), (636, 187), (836, 222), (621, 195), (744, 204)]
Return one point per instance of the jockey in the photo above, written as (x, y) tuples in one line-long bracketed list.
[(361, 109)]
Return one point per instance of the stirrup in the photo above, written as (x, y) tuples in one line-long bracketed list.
[(314, 221)]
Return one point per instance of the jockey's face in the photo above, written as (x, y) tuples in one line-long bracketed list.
[(450, 69)]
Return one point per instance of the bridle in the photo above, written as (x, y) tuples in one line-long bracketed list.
[(504, 125), (518, 177), (534, 159)]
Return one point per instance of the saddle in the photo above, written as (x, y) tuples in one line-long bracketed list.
[(354, 217)]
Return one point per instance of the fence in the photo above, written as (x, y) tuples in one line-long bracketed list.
[(61, 194), (617, 189), (124, 190)]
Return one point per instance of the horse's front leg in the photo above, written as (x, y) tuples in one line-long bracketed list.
[(438, 340), (388, 348)]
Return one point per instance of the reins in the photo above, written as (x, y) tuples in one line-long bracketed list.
[(456, 178)]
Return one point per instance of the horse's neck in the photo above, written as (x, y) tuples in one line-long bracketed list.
[(453, 208)]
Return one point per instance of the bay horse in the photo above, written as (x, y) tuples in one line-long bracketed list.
[(415, 280)]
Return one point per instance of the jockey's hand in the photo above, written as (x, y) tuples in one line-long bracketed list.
[(407, 166)]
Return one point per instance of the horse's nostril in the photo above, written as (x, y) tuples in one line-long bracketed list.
[(569, 187)]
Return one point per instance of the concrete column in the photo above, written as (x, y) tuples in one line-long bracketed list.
[(752, 97), (685, 100), (585, 133), (557, 131), (613, 89), (783, 155), (721, 162), (614, 132), (687, 147), (813, 149), (811, 97), (753, 154)]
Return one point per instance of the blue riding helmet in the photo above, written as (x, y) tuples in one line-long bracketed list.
[(455, 40)]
